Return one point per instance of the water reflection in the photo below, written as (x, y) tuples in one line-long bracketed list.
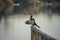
[(34, 9), (12, 26), (54, 9)]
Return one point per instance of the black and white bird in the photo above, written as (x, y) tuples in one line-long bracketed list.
[(32, 21)]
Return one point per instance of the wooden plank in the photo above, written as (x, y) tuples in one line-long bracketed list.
[(42, 36)]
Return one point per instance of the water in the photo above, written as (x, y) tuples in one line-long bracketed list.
[(13, 27)]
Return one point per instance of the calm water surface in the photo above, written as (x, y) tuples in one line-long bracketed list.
[(13, 27)]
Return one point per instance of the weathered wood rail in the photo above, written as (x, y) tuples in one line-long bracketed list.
[(36, 34)]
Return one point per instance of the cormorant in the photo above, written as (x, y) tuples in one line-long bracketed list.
[(32, 22)]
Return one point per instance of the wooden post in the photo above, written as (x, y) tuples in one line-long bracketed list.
[(39, 35)]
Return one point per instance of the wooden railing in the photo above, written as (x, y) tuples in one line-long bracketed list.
[(36, 34)]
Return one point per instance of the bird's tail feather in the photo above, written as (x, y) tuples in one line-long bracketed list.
[(37, 25)]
